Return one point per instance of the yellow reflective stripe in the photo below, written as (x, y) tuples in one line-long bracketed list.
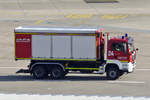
[(118, 60), (91, 34), (23, 58), (83, 68), (110, 61), (72, 34), (59, 59), (124, 61), (28, 33), (38, 33)]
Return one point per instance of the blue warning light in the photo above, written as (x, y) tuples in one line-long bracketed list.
[(122, 37), (126, 35)]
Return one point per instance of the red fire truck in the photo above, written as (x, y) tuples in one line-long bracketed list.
[(55, 51)]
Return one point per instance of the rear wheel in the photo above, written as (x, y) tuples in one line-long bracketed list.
[(39, 72), (113, 73), (57, 73)]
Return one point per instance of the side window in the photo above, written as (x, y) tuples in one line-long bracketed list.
[(117, 47)]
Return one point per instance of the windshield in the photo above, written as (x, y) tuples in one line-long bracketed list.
[(131, 47), (119, 47), (130, 44)]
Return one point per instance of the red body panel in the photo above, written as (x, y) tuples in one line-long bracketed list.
[(23, 46), (97, 45), (99, 39)]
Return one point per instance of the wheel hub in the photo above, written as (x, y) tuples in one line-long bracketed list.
[(112, 74)]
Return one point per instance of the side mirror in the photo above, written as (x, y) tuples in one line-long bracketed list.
[(137, 49)]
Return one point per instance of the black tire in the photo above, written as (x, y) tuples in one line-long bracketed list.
[(65, 72), (121, 73), (57, 73), (39, 72), (113, 73)]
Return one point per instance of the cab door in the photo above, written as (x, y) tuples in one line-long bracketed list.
[(120, 51)]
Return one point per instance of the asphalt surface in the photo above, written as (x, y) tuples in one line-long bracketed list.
[(127, 16)]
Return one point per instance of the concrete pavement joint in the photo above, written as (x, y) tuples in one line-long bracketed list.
[(83, 22), (128, 82), (12, 13), (101, 1), (146, 69), (10, 67)]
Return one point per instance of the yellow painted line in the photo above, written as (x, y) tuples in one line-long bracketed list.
[(77, 16), (39, 22), (114, 16)]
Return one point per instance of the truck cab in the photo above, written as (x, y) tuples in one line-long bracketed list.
[(121, 51)]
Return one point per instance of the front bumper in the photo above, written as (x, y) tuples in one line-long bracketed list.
[(131, 67), (128, 67)]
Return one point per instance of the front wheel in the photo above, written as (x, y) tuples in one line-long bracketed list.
[(113, 73)]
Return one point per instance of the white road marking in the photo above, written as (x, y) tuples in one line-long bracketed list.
[(66, 97), (144, 69), (130, 82), (11, 68)]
